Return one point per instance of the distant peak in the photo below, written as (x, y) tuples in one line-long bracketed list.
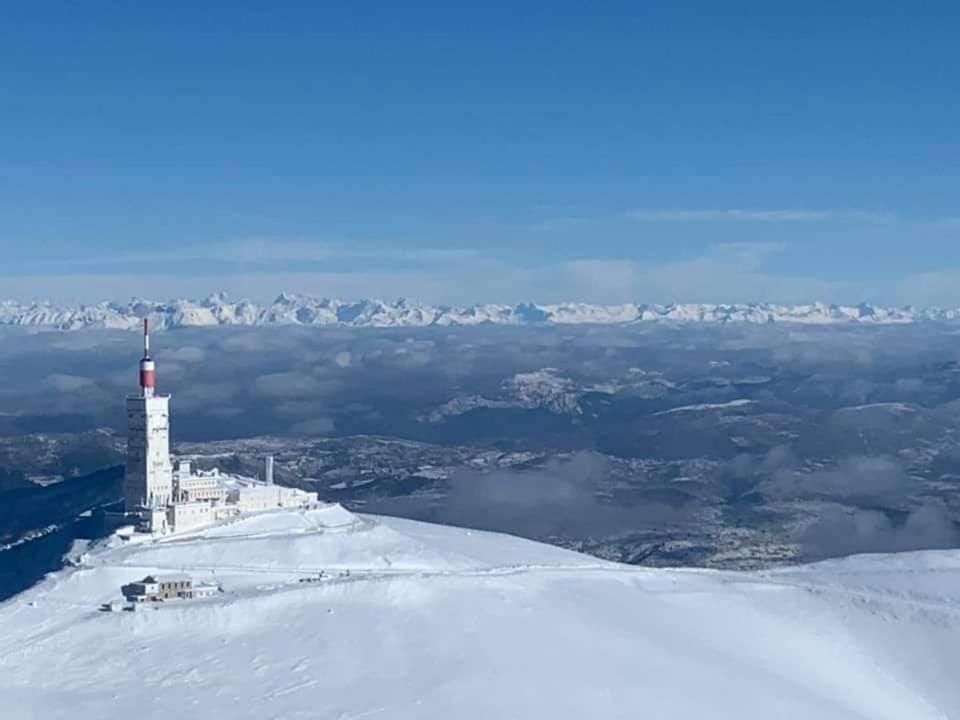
[(217, 298)]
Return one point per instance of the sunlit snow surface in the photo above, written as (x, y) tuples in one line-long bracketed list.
[(440, 622)]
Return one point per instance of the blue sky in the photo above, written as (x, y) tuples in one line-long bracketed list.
[(603, 152)]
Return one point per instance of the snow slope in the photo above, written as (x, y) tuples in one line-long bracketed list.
[(440, 622), (289, 309)]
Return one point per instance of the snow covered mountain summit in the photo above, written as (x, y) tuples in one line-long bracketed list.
[(411, 620), (290, 309)]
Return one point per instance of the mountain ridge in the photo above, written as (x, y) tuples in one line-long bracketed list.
[(295, 309), (323, 613)]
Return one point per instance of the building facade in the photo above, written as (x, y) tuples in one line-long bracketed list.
[(190, 515), (251, 498), (148, 481), (191, 488)]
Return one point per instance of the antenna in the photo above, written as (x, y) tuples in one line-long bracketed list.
[(147, 367)]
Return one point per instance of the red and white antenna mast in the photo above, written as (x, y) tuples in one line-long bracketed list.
[(147, 368)]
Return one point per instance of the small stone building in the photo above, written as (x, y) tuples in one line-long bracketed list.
[(154, 588)]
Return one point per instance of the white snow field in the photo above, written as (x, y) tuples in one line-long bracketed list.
[(442, 622)]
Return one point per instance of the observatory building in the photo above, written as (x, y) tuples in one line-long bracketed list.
[(164, 500)]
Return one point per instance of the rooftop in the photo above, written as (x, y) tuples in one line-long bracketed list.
[(177, 577)]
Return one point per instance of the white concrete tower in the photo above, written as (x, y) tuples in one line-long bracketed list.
[(148, 482)]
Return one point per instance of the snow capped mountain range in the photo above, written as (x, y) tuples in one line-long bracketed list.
[(288, 309)]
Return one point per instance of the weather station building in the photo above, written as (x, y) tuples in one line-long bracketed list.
[(157, 588), (164, 500)]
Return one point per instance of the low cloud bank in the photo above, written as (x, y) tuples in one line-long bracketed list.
[(846, 531), (558, 499)]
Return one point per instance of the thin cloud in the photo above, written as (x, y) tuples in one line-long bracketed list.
[(69, 383), (724, 273), (938, 288), (256, 251), (760, 215), (945, 223), (273, 249), (743, 253)]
